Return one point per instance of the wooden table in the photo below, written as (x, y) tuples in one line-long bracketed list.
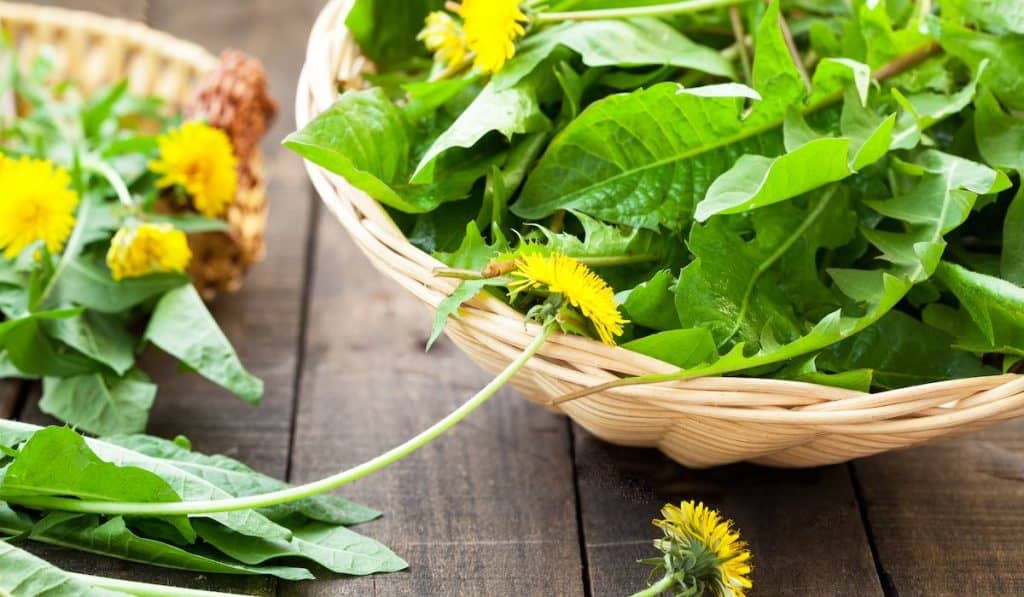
[(516, 500)]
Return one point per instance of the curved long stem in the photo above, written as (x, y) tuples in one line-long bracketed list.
[(303, 491), (141, 589), (113, 178), (656, 10), (657, 588)]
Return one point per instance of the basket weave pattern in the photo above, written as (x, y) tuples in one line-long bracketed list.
[(94, 51), (699, 423)]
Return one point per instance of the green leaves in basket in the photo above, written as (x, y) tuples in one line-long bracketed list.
[(386, 29), (366, 138), (183, 327), (659, 181), (901, 351), (991, 316), (144, 468), (786, 222), (630, 43)]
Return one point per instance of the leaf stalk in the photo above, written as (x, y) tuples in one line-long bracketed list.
[(300, 492), (657, 10)]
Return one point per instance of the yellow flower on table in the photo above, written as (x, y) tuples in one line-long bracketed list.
[(444, 37), (492, 28), (695, 521), (199, 159), (581, 287), (145, 249), (36, 205)]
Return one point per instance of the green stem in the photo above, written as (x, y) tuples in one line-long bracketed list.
[(115, 180), (144, 589), (616, 260), (657, 10), (303, 491), (71, 249), (657, 588), (776, 255)]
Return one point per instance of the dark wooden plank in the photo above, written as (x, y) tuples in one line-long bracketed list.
[(488, 509), (803, 526), (264, 319), (948, 518), (10, 390)]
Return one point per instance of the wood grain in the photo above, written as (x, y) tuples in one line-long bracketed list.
[(487, 509), (10, 390), (803, 526), (948, 518), (264, 320)]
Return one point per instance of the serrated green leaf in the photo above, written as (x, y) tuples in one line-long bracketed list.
[(510, 111), (98, 404), (386, 29), (996, 16), (114, 539), (739, 289), (1013, 241), (683, 348), (652, 303), (806, 370), (56, 461), (627, 43), (995, 306), (679, 141), (901, 351), (183, 327), (336, 548), (98, 336), (366, 139), (88, 282), (1000, 136), (1003, 53)]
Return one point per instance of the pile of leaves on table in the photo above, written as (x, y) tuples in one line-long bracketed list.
[(845, 209), (97, 195), (281, 541)]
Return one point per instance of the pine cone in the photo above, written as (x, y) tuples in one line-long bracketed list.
[(234, 98)]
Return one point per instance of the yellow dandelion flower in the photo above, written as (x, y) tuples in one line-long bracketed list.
[(145, 249), (199, 159), (698, 522), (582, 288), (492, 28), (444, 37), (36, 205)]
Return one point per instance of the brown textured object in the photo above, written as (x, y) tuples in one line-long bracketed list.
[(233, 97), (94, 51)]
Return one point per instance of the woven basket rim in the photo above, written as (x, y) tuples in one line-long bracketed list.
[(915, 413), (106, 26)]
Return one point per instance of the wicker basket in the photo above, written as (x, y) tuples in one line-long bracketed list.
[(94, 51), (699, 423)]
